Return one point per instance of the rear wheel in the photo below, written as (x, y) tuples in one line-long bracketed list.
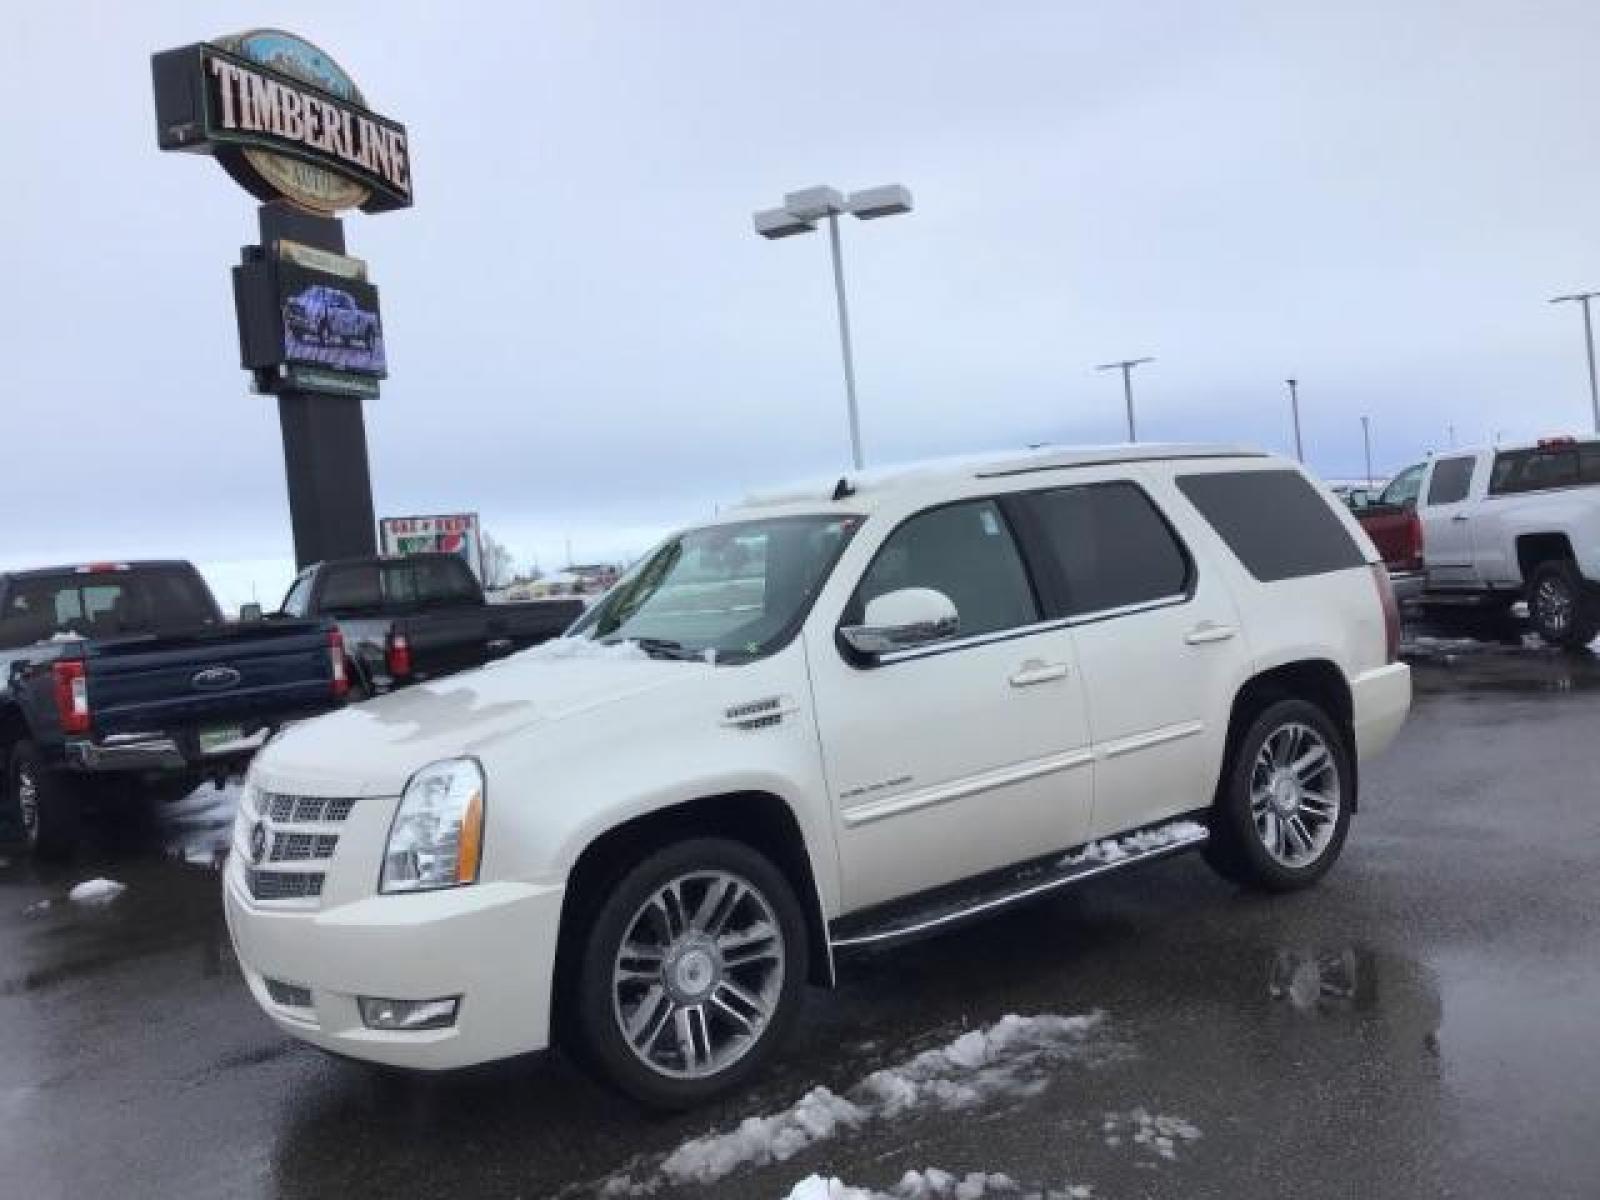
[(1283, 811), (691, 973), (44, 806), (1559, 606)]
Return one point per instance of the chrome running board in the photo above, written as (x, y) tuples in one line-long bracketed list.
[(949, 906)]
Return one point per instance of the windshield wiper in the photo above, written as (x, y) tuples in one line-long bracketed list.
[(662, 648)]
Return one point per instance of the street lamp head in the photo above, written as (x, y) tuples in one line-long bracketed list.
[(890, 200), (1292, 382), (1124, 364), (814, 203), (776, 223)]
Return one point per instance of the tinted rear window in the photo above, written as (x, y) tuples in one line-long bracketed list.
[(103, 604), (1114, 549), (351, 589), (1276, 522)]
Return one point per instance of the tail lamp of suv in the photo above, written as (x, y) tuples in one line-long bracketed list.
[(1391, 612), (336, 660), (72, 696), (398, 655)]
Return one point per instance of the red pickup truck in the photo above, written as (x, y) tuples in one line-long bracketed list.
[(1391, 521)]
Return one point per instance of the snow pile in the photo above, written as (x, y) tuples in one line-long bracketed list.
[(96, 891), (64, 635), (1148, 1131), (934, 1184), (566, 648), (931, 1184), (1116, 849), (1012, 1057)]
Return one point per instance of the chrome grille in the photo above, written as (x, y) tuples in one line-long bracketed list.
[(284, 885), (303, 810), (302, 847), (288, 995)]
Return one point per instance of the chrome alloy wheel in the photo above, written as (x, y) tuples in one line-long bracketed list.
[(698, 975), (28, 801), (1294, 795), (1553, 605)]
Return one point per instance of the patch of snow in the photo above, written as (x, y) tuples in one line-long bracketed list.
[(37, 907), (1116, 849), (568, 648), (96, 891), (64, 635), (1014, 1057), (1151, 1132), (934, 1184)]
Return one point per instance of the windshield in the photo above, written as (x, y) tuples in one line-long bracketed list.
[(728, 593)]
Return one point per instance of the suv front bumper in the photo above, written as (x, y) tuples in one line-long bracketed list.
[(491, 944)]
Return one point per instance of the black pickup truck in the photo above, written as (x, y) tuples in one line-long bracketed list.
[(419, 616), (114, 674)]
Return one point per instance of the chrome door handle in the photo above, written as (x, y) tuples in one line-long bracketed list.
[(1209, 631), (1038, 672)]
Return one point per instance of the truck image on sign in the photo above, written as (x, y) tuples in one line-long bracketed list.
[(328, 316)]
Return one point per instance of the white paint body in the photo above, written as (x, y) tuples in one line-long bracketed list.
[(919, 771), (1470, 545)]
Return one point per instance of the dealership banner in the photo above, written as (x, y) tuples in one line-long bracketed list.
[(457, 533)]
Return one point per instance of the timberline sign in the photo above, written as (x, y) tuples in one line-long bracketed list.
[(284, 120)]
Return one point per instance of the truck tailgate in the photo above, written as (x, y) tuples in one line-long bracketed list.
[(236, 675)]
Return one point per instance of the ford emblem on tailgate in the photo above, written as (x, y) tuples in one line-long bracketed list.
[(216, 679)]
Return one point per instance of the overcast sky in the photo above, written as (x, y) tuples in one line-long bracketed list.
[(586, 339)]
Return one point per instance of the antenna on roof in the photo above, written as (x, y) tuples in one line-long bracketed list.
[(842, 489)]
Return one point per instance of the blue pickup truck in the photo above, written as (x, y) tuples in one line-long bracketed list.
[(119, 679)]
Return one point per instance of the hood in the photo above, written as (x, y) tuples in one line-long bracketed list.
[(372, 749)]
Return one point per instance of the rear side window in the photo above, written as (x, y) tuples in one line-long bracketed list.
[(1452, 479), (1113, 547), (1546, 467), (444, 581), (1275, 522)]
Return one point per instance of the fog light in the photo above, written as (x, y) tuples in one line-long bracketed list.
[(409, 1014)]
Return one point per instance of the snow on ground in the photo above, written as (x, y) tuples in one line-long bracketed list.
[(1013, 1057), (96, 891), (934, 1184), (1149, 1131), (1115, 849)]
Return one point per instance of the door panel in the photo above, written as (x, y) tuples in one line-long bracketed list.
[(1447, 522), (954, 758)]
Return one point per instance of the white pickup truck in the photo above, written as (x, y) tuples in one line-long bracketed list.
[(1513, 523), (829, 720)]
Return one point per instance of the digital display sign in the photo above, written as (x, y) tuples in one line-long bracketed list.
[(330, 321)]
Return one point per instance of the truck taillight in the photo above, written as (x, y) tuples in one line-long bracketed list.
[(72, 696), (399, 655), (341, 674), (1414, 542), (1391, 612)]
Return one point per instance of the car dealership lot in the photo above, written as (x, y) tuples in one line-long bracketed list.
[(1415, 1025)]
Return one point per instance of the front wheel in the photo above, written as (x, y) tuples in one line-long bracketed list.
[(1283, 810), (45, 806), (1559, 608), (691, 973)]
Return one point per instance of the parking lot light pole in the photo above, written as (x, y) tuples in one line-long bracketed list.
[(1583, 298), (1366, 443), (1126, 366), (800, 213), (1294, 410)]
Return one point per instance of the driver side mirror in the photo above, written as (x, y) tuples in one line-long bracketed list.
[(903, 620)]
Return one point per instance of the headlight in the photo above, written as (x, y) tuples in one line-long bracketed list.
[(436, 840)]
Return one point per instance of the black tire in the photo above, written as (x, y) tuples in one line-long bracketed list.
[(1560, 608), (1239, 846), (597, 1012), (51, 822)]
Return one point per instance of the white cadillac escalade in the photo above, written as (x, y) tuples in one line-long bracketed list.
[(832, 718)]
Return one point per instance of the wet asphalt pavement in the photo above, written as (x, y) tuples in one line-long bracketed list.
[(1424, 1023)]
